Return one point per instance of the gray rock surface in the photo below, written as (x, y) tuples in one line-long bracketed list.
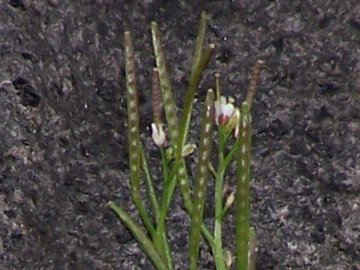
[(63, 151)]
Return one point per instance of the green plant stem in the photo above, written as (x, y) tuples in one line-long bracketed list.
[(208, 236), (160, 239), (189, 207), (149, 185), (219, 181), (168, 190), (231, 153), (145, 243)]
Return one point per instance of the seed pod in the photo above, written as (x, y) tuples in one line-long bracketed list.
[(242, 190), (202, 170), (133, 127)]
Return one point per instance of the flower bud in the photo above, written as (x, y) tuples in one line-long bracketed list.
[(188, 150), (158, 134), (229, 201), (169, 153), (234, 122), (228, 258)]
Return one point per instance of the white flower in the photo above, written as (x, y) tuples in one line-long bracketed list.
[(226, 114), (223, 111), (158, 134)]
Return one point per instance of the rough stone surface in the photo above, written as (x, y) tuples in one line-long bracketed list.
[(63, 151)]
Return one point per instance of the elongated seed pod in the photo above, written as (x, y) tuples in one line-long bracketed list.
[(202, 169), (170, 114), (156, 97), (165, 85), (133, 127), (133, 113), (242, 190), (253, 82), (201, 57), (252, 249)]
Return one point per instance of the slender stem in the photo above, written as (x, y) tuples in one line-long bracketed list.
[(208, 236), (231, 153), (219, 175), (167, 251), (141, 237), (143, 214), (160, 239), (218, 249), (218, 252), (149, 185), (189, 207)]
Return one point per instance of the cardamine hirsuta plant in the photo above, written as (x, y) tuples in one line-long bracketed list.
[(232, 126)]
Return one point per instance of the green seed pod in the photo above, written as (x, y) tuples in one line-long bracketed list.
[(133, 127), (202, 170), (242, 190), (165, 86), (133, 112)]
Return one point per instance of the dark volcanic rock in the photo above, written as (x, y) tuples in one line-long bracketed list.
[(63, 151)]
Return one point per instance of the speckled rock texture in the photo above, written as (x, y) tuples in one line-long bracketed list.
[(63, 151)]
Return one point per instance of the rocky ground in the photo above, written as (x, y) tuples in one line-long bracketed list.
[(63, 151)]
